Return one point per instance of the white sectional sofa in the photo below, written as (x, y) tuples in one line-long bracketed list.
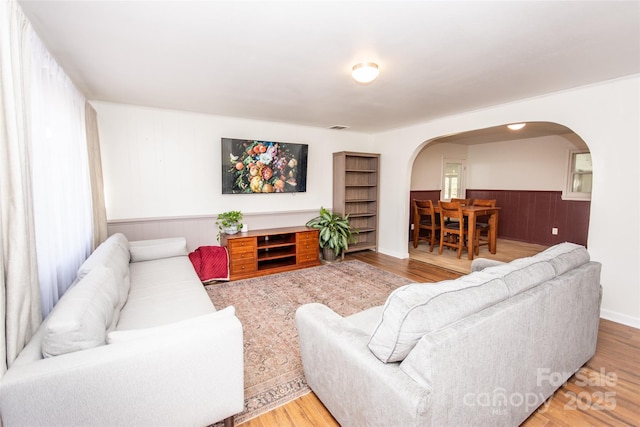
[(134, 341), (486, 349)]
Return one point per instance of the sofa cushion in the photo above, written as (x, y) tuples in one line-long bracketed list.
[(366, 320), (163, 291), (523, 273), (82, 316), (115, 337), (565, 256), (112, 253), (146, 250), (416, 309), (479, 264)]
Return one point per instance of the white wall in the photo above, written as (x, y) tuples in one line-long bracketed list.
[(524, 164), (606, 117), (162, 163), (528, 164), (426, 173)]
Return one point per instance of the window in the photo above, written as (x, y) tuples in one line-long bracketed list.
[(453, 179), (579, 176)]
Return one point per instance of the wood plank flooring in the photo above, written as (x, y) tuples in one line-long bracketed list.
[(507, 250), (605, 392)]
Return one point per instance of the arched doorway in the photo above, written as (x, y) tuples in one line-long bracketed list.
[(526, 171)]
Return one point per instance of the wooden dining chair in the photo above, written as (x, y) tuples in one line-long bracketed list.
[(425, 218), (463, 202), (482, 222), (453, 229)]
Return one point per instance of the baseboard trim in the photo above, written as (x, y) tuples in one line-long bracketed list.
[(625, 319), (401, 255)]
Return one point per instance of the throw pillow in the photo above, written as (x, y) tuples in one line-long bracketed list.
[(82, 316), (146, 250), (523, 273), (416, 309), (565, 256)]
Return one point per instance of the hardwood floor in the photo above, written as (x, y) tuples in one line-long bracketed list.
[(507, 250), (605, 392)]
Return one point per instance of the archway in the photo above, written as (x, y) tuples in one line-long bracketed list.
[(525, 171)]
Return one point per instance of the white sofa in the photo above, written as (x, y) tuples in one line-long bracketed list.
[(486, 349), (134, 341)]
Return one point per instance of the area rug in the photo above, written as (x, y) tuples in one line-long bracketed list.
[(266, 307)]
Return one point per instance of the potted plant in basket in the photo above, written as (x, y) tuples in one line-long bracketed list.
[(335, 233), (229, 222)]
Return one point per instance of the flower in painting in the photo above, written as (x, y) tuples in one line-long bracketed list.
[(256, 184), (267, 173), (266, 158)]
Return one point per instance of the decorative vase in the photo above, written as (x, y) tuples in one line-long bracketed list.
[(328, 254), (232, 229)]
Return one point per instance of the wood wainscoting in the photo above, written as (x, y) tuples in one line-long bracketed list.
[(201, 230), (529, 216)]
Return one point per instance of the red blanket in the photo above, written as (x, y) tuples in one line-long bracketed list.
[(211, 263)]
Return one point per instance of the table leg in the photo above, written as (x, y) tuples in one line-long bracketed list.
[(471, 234), (493, 232)]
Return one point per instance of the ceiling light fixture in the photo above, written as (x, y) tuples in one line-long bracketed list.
[(365, 72), (516, 126)]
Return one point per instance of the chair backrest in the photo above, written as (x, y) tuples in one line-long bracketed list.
[(463, 202), (423, 208), (486, 203), (451, 210)]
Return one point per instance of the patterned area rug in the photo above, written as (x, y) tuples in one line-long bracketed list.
[(266, 307)]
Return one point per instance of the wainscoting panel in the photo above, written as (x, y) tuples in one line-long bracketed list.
[(529, 216), (201, 230)]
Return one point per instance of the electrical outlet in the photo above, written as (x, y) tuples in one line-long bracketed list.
[(554, 231), (411, 227)]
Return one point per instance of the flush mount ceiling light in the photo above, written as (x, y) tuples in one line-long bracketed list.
[(365, 72), (516, 126)]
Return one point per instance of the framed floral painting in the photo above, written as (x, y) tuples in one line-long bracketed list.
[(251, 166)]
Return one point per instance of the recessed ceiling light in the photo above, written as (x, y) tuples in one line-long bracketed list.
[(516, 126), (365, 72)]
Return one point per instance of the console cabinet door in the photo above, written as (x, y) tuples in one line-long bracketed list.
[(307, 247), (242, 256)]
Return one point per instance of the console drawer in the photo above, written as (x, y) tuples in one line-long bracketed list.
[(243, 266), (242, 246)]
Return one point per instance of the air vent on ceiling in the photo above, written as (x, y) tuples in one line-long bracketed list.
[(339, 127)]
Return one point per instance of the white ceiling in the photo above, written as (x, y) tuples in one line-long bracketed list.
[(290, 61)]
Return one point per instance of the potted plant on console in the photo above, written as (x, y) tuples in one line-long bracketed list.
[(229, 222), (335, 233)]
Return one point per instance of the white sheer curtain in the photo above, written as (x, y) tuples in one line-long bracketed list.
[(19, 293), (61, 183)]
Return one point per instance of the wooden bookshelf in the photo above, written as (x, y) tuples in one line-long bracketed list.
[(355, 192)]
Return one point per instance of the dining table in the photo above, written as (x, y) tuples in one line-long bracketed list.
[(472, 213)]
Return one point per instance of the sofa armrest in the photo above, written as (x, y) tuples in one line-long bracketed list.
[(146, 250), (479, 264), (356, 387), (191, 375)]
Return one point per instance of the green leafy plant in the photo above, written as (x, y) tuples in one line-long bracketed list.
[(335, 231), (229, 222)]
